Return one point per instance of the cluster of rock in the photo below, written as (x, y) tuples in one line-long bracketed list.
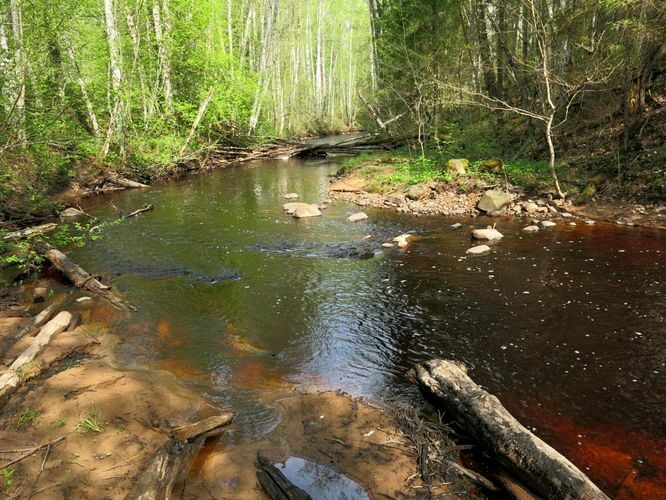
[(491, 234)]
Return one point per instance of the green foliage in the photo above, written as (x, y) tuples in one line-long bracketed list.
[(7, 477), (26, 417), (92, 421)]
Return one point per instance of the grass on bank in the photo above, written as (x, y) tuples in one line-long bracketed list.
[(386, 172)]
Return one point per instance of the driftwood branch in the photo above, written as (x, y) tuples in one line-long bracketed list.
[(275, 484), (77, 275), (32, 451), (482, 415), (146, 208), (45, 315), (158, 479), (30, 232), (11, 379)]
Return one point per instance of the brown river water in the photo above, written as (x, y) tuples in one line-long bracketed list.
[(566, 326)]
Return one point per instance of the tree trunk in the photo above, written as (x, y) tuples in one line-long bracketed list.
[(116, 113), (482, 415), (161, 26), (92, 117), (18, 74)]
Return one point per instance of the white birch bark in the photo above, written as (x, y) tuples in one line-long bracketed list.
[(116, 114), (17, 74), (161, 25), (90, 110)]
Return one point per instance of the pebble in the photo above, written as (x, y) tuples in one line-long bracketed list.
[(83, 299), (388, 245), (531, 229), (547, 223), (457, 225)]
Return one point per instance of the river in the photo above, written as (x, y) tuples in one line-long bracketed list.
[(565, 326)]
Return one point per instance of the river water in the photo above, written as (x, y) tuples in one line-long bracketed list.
[(236, 298)]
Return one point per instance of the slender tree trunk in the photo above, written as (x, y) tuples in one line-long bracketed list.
[(230, 33), (90, 110), (18, 73), (116, 115), (137, 66), (161, 26)]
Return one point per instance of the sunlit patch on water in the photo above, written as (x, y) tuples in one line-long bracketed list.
[(320, 481)]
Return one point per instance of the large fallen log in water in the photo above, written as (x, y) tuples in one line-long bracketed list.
[(482, 415), (77, 275), (158, 479)]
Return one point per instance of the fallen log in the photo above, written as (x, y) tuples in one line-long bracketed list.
[(276, 486), (30, 232), (481, 414), (158, 479), (10, 380), (126, 183), (45, 315), (76, 274)]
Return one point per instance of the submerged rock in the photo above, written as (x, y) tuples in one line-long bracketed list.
[(490, 234), (457, 225), (478, 250), (358, 216), (493, 200), (547, 223), (290, 196), (531, 229)]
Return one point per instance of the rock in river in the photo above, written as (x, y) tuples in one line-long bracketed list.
[(302, 210), (493, 200), (402, 240), (489, 234), (531, 229), (358, 216), (290, 196), (547, 223), (478, 250)]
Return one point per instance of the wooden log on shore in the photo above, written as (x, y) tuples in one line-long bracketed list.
[(30, 232), (77, 275), (11, 379), (481, 414), (44, 315), (158, 479), (126, 183)]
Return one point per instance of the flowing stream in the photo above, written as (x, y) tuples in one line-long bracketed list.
[(236, 298)]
